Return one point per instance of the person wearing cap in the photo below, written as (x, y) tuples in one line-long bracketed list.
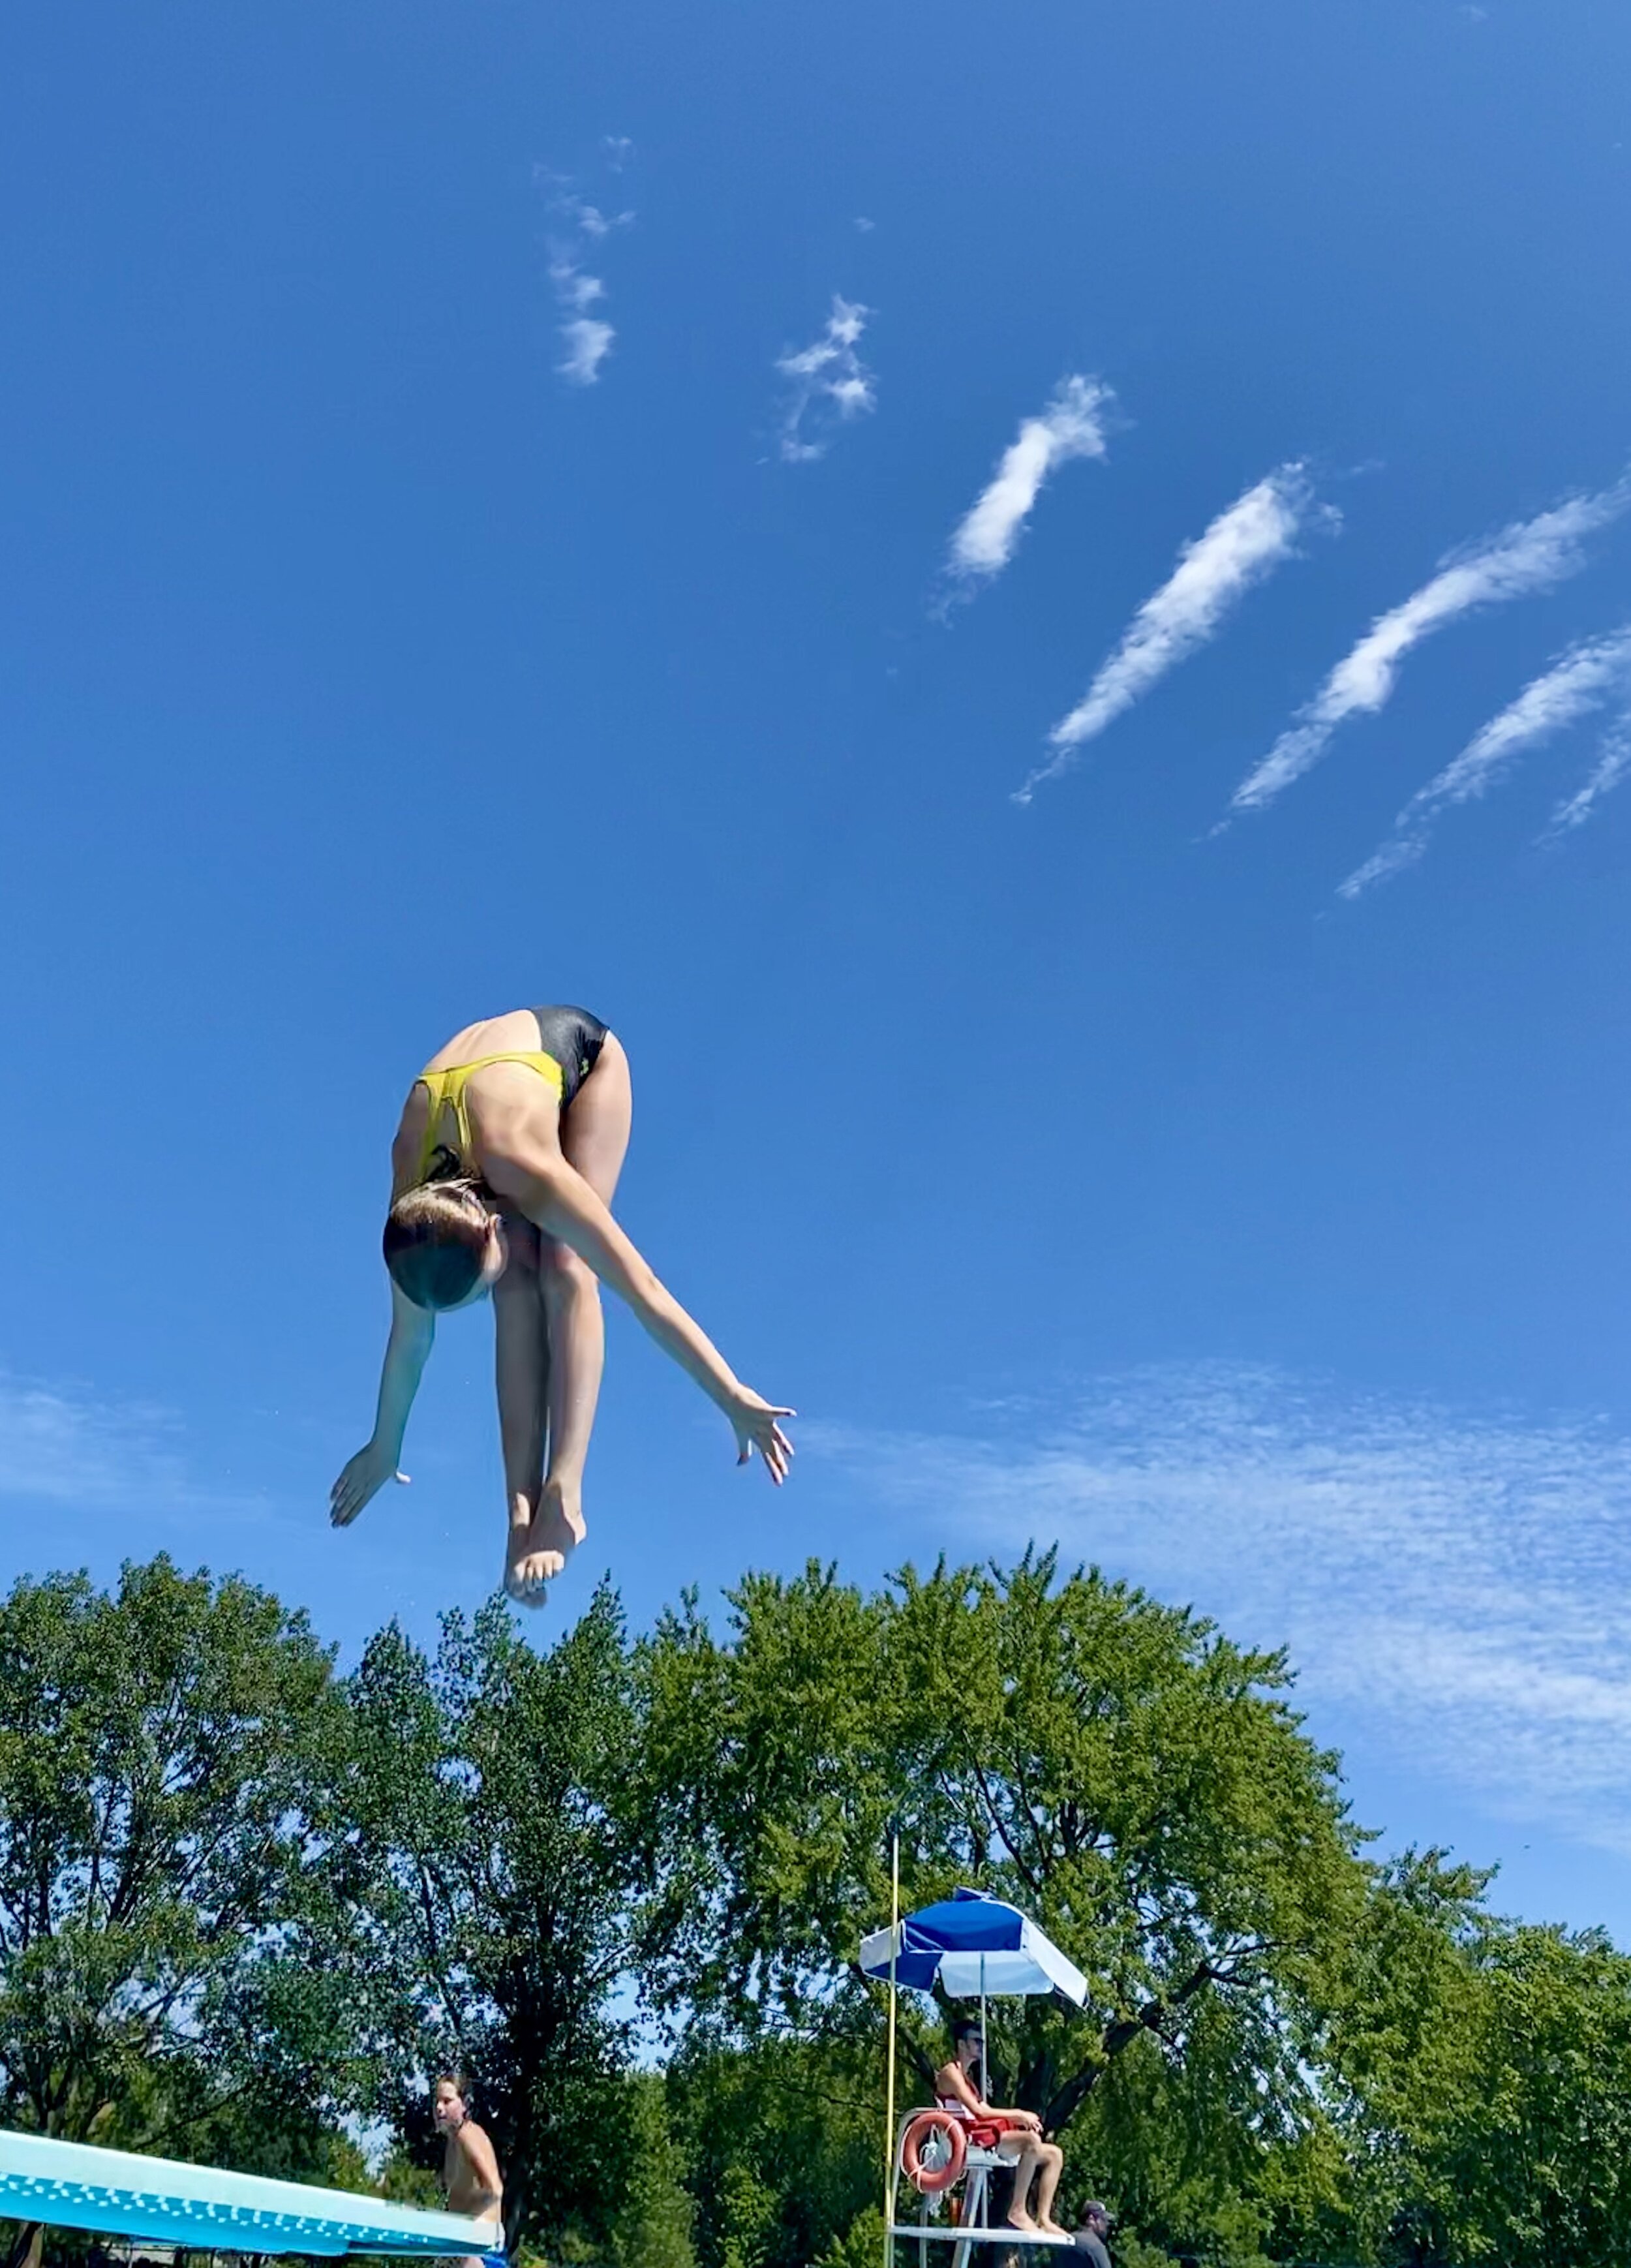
[(1093, 2236)]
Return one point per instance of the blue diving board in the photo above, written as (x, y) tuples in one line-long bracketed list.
[(70, 2186)]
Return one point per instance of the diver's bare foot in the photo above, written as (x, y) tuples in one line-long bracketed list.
[(540, 1544), (1022, 2222), (1050, 2227)]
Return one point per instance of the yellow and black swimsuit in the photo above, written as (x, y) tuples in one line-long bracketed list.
[(571, 1041)]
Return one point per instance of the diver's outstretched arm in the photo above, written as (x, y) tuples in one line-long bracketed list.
[(413, 1331), (540, 1182)]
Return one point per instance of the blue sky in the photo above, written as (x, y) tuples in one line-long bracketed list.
[(378, 650)]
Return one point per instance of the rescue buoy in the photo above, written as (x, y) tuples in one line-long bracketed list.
[(933, 2150)]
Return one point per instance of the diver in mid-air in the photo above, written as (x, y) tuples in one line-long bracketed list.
[(504, 1167)]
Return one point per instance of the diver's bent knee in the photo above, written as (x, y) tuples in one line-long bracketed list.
[(562, 1276)]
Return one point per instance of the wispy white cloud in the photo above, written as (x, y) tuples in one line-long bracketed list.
[(588, 219), (573, 288), (1242, 545), (1071, 426), (1528, 556), (63, 1444), (588, 342), (586, 339), (1450, 1585), (1613, 763), (1580, 681), (827, 383)]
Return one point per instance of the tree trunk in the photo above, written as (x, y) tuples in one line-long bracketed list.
[(26, 2245), (514, 2220)]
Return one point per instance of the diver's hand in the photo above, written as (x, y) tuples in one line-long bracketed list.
[(364, 1476), (753, 1421)]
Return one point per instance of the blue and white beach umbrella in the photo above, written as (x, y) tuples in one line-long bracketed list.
[(973, 1945)]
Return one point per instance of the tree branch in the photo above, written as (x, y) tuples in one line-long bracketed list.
[(1006, 1840), (1116, 2037)]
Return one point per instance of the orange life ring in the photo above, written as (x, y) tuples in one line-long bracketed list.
[(929, 2180)]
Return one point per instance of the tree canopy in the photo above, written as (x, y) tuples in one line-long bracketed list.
[(167, 1762), (249, 1909)]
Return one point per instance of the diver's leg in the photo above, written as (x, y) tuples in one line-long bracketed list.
[(594, 1140), (521, 1363)]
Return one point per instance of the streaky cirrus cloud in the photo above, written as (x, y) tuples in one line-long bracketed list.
[(828, 384), (1448, 1582), (1614, 761), (1242, 546), (1579, 682), (1529, 556), (1071, 426)]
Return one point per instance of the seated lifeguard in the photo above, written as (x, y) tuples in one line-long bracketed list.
[(1016, 2134)]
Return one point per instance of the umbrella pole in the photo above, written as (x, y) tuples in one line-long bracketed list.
[(889, 2115)]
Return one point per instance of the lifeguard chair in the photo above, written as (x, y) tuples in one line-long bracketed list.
[(935, 2158), (972, 1947)]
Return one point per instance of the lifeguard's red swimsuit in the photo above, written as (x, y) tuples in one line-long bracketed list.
[(984, 2133)]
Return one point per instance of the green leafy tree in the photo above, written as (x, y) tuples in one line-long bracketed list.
[(1481, 2073), (493, 1893), (165, 1755), (782, 2141), (1538, 2170), (654, 2213), (862, 2243), (237, 1896), (165, 1758), (1396, 2047), (1115, 1766)]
